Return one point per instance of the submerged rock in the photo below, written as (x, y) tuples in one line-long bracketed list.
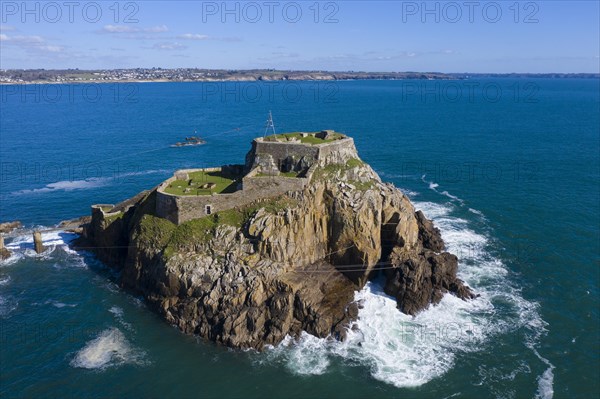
[(249, 276)]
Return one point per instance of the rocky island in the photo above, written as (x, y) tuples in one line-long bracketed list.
[(244, 255)]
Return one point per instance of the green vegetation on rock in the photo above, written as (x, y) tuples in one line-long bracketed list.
[(354, 163), (362, 185), (335, 168), (155, 231), (111, 218)]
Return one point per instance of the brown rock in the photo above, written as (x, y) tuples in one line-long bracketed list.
[(7, 227), (429, 235)]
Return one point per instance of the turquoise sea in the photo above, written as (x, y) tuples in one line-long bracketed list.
[(509, 170)]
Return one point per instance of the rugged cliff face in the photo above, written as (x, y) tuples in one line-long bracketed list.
[(248, 277)]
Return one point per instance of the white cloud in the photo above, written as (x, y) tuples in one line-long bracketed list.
[(193, 36), (168, 46), (7, 28), (119, 29), (25, 40), (33, 44), (157, 29), (132, 29), (52, 49)]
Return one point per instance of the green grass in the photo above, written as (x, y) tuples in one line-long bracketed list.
[(354, 162), (278, 205), (334, 168), (155, 231), (310, 139), (362, 186), (232, 217), (111, 218), (224, 184), (189, 232)]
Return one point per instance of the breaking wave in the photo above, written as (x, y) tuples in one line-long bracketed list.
[(109, 349)]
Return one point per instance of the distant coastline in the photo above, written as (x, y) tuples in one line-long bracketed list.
[(157, 75)]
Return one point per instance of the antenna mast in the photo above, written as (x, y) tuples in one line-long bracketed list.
[(270, 125)]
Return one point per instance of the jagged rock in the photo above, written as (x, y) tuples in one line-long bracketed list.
[(430, 236), (417, 281), (4, 253)]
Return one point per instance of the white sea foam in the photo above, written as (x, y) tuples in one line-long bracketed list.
[(453, 197), (4, 280), (409, 193), (546, 384), (85, 184), (306, 355), (22, 245), (546, 380), (117, 311), (434, 186), (110, 348), (433, 210), (409, 351), (476, 212), (12, 259), (58, 304)]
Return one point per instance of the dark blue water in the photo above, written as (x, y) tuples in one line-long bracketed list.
[(508, 169)]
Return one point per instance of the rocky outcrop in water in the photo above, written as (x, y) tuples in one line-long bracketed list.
[(248, 277), (7, 227)]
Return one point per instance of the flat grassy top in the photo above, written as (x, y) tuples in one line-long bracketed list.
[(311, 139), (224, 184)]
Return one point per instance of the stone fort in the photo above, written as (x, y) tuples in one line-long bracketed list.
[(274, 166)]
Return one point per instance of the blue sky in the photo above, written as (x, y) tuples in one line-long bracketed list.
[(461, 36)]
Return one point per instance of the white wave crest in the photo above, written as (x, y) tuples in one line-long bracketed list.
[(109, 349)]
